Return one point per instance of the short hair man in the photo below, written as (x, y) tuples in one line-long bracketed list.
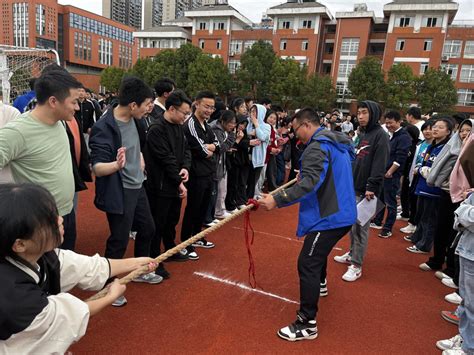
[(36, 145), (327, 211), (163, 89), (413, 116), (203, 144), (400, 143), (168, 161), (267, 103), (118, 164)]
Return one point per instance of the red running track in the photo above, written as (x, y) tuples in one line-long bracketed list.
[(394, 308)]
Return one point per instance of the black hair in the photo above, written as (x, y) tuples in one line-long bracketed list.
[(277, 108), (55, 83), (205, 95), (307, 114), (266, 101), (449, 122), (393, 115), (164, 85), (427, 124), (236, 103), (135, 90), (88, 90), (227, 116), (53, 66), (25, 211), (31, 83), (415, 112), (413, 131), (247, 99), (176, 99), (269, 112)]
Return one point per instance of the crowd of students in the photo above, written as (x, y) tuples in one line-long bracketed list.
[(148, 150)]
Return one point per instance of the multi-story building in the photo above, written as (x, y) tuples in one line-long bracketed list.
[(128, 12), (173, 9), (152, 13)]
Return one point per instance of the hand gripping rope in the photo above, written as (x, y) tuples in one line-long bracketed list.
[(252, 205)]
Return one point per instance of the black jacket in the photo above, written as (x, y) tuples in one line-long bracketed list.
[(166, 153), (86, 115), (198, 137), (400, 145), (372, 154), (241, 156), (81, 172)]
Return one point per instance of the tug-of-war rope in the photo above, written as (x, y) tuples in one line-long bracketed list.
[(252, 205)]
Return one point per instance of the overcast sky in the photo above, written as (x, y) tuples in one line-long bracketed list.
[(254, 9)]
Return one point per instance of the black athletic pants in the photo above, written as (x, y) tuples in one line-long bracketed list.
[(312, 264), (70, 232)]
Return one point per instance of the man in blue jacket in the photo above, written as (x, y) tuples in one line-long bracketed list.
[(325, 191)]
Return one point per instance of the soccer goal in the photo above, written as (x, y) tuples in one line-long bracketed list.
[(18, 65)]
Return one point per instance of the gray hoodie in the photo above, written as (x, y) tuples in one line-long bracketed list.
[(464, 223)]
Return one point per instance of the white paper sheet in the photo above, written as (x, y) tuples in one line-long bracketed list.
[(366, 210)]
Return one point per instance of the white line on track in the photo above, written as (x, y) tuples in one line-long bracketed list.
[(242, 286)]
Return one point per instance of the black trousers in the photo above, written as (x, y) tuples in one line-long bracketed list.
[(444, 236), (166, 212), (405, 200), (199, 196), (137, 213), (254, 174), (236, 187), (312, 264), (70, 232), (271, 173)]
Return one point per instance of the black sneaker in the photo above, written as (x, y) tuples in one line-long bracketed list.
[(203, 243), (301, 329), (323, 289), (191, 253), (179, 257), (385, 234), (160, 270)]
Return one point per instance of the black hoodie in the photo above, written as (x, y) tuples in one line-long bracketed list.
[(372, 153)]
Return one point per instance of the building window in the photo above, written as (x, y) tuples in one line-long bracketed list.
[(20, 24), (233, 65), (249, 44), (350, 47), (469, 49), (219, 44), (405, 21), (466, 97), (219, 25), (283, 44), (201, 43), (202, 25), (329, 48), (76, 45), (423, 68), (467, 74), (105, 52), (430, 21), (451, 69), (345, 68), (427, 45), (306, 24), (304, 45), (235, 47), (40, 20), (452, 49), (285, 24), (400, 45), (342, 90)]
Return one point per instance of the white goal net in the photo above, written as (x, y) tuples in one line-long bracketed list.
[(18, 65)]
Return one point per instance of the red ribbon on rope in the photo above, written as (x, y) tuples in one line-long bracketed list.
[(249, 237)]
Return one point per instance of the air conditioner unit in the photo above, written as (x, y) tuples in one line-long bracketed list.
[(445, 58), (231, 54)]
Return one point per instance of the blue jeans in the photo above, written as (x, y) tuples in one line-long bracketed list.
[(466, 309), (390, 189)]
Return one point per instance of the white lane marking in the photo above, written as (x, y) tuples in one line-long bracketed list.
[(242, 286)]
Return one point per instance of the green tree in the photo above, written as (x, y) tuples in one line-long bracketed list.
[(111, 77), (366, 81), (318, 92), (254, 73), (286, 80), (400, 87), (435, 91), (208, 73), (185, 55)]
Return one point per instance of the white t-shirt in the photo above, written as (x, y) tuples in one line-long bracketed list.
[(419, 124), (7, 113)]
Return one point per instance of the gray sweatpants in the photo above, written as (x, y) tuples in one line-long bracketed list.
[(359, 240)]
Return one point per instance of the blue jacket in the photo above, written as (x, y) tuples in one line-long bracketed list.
[(400, 145), (262, 133), (422, 187), (21, 102), (104, 141), (326, 188)]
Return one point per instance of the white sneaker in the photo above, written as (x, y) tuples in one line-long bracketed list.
[(447, 344), (241, 206), (233, 211), (455, 351), (441, 275), (353, 273), (449, 282), (409, 229), (425, 267), (224, 215), (343, 259), (453, 298), (400, 218)]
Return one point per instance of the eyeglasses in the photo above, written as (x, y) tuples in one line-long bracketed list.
[(209, 108), (186, 114), (297, 128)]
